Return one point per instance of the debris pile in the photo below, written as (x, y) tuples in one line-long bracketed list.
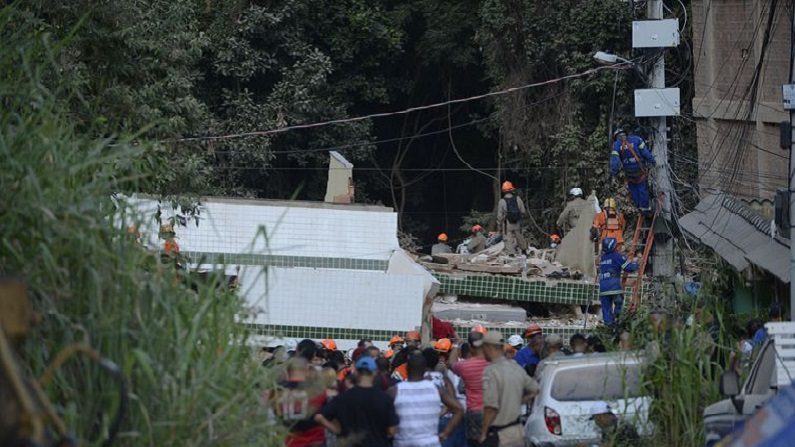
[(536, 263)]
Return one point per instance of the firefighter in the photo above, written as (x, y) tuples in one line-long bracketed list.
[(568, 218), (509, 218), (611, 292), (167, 233), (441, 245), (477, 242), (631, 154), (609, 223)]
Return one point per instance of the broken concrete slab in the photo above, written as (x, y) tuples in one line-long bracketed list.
[(478, 311)]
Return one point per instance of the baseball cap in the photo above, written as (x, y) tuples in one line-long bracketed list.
[(493, 338), (600, 407), (367, 363), (515, 340)]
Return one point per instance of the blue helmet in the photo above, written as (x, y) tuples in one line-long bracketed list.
[(609, 244)]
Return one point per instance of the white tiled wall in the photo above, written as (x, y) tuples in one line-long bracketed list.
[(334, 298), (294, 230)]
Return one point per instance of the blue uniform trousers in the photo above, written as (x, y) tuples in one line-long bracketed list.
[(609, 312)]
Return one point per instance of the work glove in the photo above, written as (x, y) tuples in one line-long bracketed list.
[(594, 233)]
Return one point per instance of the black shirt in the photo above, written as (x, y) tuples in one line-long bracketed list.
[(365, 414)]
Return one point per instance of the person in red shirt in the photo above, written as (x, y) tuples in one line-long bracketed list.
[(442, 329), (471, 372), (296, 402)]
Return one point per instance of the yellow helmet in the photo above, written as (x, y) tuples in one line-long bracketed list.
[(611, 203)]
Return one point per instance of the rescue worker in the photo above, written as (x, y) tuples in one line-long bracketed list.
[(609, 223), (611, 292), (168, 234), (554, 240), (631, 154), (571, 213), (509, 219), (477, 242), (441, 245)]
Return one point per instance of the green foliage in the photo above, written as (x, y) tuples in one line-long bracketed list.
[(190, 373)]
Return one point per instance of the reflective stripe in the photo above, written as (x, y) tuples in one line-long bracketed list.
[(625, 265), (614, 153), (611, 292)]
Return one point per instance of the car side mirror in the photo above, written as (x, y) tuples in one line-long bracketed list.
[(729, 383)]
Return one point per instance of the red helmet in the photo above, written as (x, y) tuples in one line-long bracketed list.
[(507, 186), (329, 344), (476, 228), (442, 237), (533, 329)]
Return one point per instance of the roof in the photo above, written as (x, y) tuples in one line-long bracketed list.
[(738, 234)]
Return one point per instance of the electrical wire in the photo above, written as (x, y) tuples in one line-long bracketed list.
[(401, 112)]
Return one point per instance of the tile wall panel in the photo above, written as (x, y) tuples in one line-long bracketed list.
[(311, 231), (332, 298)]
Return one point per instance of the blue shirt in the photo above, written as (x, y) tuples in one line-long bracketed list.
[(632, 166), (526, 356), (759, 336)]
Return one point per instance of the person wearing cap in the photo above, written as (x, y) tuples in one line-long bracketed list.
[(363, 416), (631, 154), (441, 247), (471, 372), (412, 341), (571, 213), (516, 341), (477, 242), (614, 432), (510, 211), (527, 356), (506, 388)]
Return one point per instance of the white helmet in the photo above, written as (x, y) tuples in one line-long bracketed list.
[(515, 340), (575, 192)]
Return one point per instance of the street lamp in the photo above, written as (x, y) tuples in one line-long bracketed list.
[(608, 58)]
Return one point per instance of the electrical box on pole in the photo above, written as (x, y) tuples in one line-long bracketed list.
[(657, 102), (655, 33)]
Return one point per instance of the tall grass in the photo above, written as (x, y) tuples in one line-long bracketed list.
[(192, 379), (686, 349)]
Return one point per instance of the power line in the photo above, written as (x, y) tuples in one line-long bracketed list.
[(620, 66)]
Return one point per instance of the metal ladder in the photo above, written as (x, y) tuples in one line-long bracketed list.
[(642, 241)]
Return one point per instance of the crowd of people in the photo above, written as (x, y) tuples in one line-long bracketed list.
[(449, 392)]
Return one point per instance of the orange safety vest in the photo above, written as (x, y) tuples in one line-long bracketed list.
[(610, 225), (171, 245)]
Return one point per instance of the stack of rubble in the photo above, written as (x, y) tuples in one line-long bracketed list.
[(537, 263)]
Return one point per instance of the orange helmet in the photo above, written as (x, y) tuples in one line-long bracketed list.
[(397, 339), (554, 238), (443, 345), (442, 237), (329, 344), (388, 354), (476, 228), (507, 186), (412, 336), (533, 329), (479, 328)]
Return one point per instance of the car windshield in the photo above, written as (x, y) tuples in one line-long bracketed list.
[(597, 382)]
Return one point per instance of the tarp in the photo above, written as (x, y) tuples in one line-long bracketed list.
[(737, 234), (576, 250)]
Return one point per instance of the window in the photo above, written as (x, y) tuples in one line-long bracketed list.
[(597, 382)]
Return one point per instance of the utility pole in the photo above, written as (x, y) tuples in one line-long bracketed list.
[(663, 255), (791, 184)]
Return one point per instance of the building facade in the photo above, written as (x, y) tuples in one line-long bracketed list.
[(741, 52)]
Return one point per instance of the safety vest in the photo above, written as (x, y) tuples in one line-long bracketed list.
[(612, 222)]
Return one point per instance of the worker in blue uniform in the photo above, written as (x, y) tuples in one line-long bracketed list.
[(632, 154), (611, 265)]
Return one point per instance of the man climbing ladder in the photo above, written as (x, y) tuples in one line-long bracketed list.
[(631, 154)]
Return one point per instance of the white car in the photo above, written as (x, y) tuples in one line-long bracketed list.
[(571, 386)]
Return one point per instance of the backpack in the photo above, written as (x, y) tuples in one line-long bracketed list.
[(513, 214)]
